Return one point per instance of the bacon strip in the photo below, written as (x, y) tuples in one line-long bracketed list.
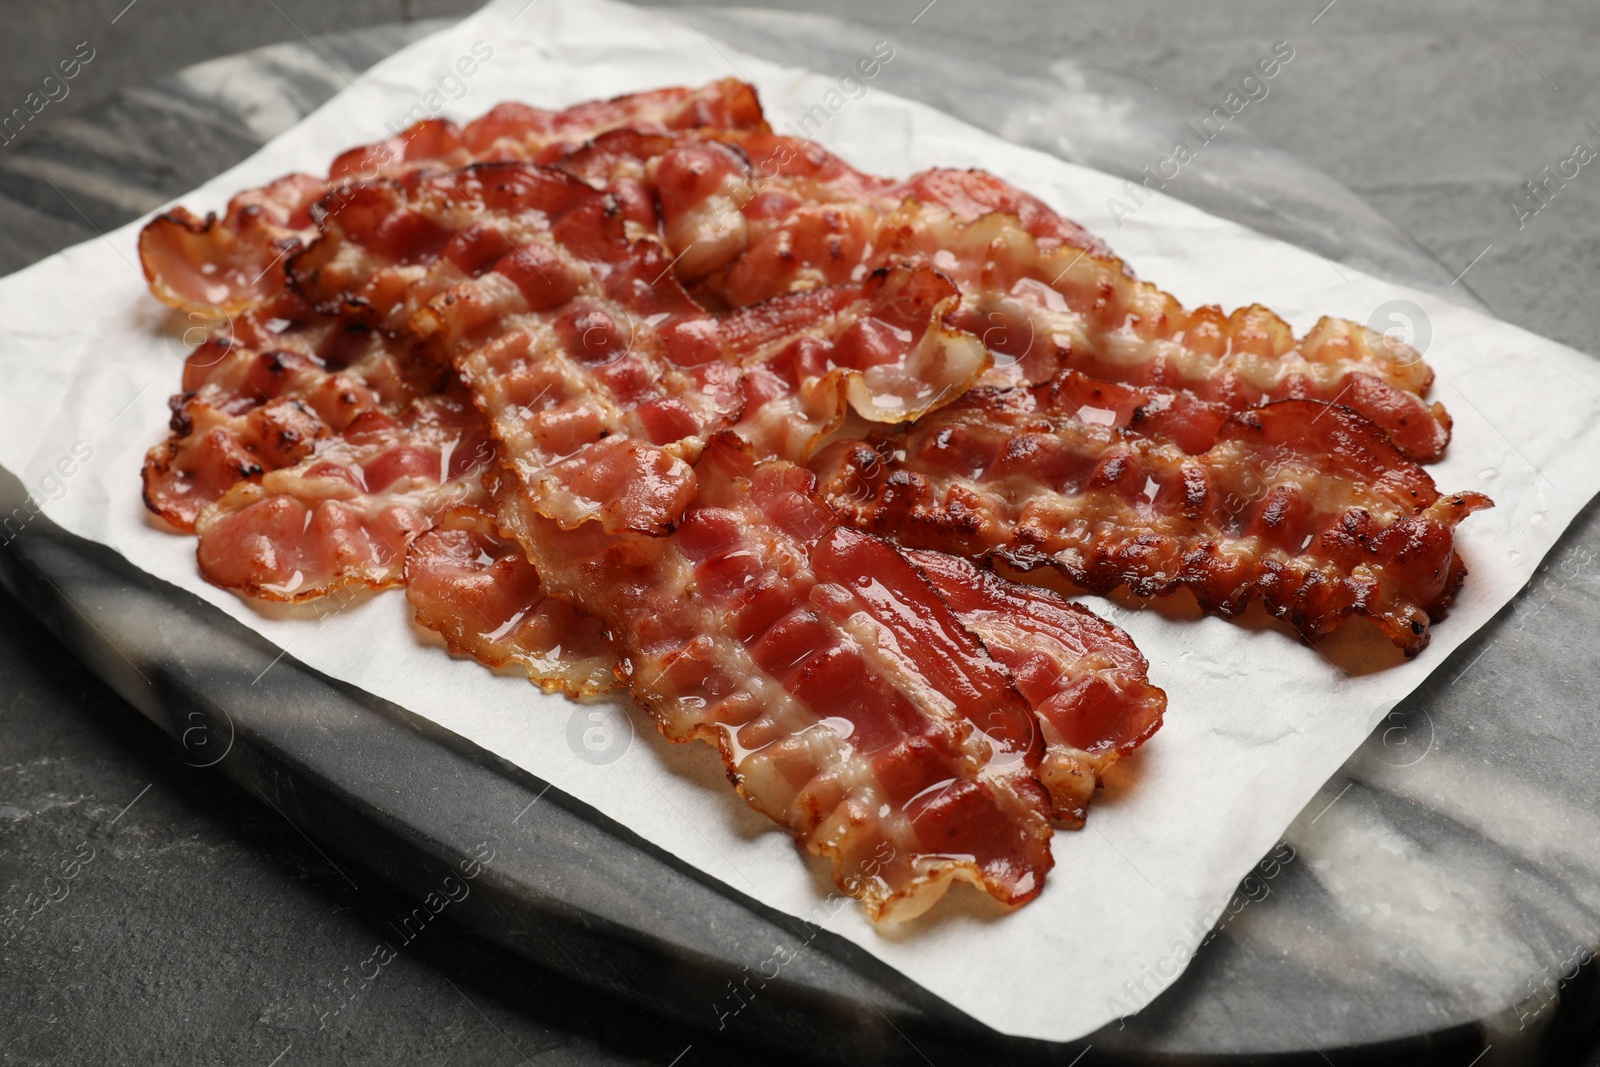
[(1052, 309), (344, 516), (515, 132), (847, 700), (1305, 505), (584, 351), (591, 362), (263, 391), (229, 264), (480, 593), (752, 215), (1084, 678), (226, 265), (1040, 291)]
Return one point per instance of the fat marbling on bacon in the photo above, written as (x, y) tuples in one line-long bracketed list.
[(1086, 681), (260, 393), (848, 701), (478, 591), (229, 263), (782, 215), (583, 350), (344, 516), (1307, 506)]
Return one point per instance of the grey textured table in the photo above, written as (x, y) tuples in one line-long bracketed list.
[(205, 925)]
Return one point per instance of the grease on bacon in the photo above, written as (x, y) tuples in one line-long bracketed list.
[(479, 592), (262, 392), (781, 216), (231, 263), (882, 350), (1307, 506), (1085, 679), (848, 702), (345, 515)]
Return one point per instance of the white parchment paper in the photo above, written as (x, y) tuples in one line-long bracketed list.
[(1257, 722)]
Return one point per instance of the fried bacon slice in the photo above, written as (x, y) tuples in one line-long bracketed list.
[(224, 265), (584, 351), (1046, 310), (595, 368), (344, 516), (1305, 505), (228, 264), (515, 132), (480, 593), (262, 391), (1084, 678), (847, 700), (751, 215), (780, 216), (387, 247)]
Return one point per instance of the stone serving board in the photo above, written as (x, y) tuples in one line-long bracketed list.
[(1436, 902)]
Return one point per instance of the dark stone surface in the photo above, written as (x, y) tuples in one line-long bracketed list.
[(206, 929), (201, 927)]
